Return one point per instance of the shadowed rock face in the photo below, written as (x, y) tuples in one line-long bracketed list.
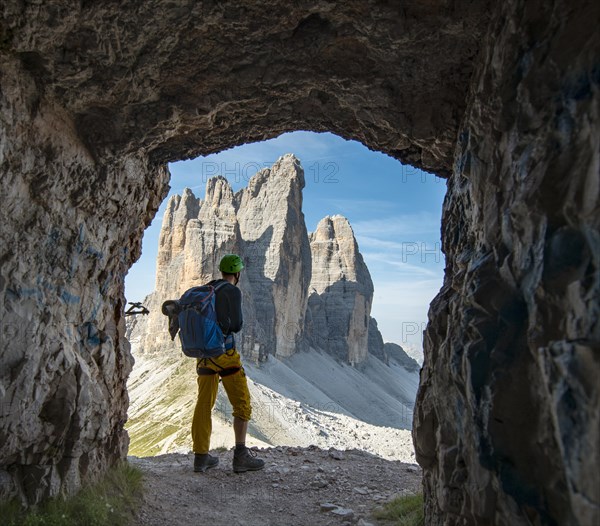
[(507, 423), (503, 99), (264, 224), (341, 292)]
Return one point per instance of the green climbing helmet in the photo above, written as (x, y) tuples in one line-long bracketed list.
[(231, 264)]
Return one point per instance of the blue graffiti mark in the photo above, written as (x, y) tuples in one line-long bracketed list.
[(69, 298), (82, 248), (90, 335), (30, 293), (95, 308)]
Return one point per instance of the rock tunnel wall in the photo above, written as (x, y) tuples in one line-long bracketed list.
[(71, 227), (94, 100), (507, 423)]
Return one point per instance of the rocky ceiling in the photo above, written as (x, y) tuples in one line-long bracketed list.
[(187, 78)]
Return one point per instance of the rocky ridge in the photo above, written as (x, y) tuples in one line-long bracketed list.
[(341, 293), (300, 291)]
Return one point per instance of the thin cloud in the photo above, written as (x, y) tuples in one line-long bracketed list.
[(400, 308), (396, 266), (384, 244), (404, 224), (351, 206)]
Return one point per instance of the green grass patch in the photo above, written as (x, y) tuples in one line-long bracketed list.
[(109, 501), (403, 511), (145, 437)]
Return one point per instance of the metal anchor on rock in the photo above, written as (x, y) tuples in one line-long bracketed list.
[(136, 308)]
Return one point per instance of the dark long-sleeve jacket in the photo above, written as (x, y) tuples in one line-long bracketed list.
[(228, 304)]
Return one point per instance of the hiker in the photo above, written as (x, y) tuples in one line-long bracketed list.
[(227, 366)]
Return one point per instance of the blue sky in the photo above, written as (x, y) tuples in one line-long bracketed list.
[(394, 210)]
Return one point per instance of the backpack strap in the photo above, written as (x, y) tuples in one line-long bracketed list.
[(220, 285), (229, 341), (229, 338)]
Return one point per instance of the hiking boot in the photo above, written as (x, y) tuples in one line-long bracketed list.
[(204, 462), (245, 460)]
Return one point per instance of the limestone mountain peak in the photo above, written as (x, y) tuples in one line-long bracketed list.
[(300, 291), (286, 172), (333, 227), (218, 190)]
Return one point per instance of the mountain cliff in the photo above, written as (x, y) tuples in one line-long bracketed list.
[(341, 292), (300, 291), (306, 301)]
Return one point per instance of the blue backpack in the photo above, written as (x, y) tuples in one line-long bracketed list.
[(199, 331)]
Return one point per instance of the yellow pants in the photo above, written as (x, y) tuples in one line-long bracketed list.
[(236, 388)]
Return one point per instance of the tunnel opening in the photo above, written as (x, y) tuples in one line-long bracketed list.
[(394, 214)]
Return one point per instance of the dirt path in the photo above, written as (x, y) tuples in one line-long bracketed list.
[(292, 490)]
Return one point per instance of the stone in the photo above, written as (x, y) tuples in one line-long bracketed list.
[(327, 506), (361, 490), (319, 482), (343, 512), (337, 455)]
